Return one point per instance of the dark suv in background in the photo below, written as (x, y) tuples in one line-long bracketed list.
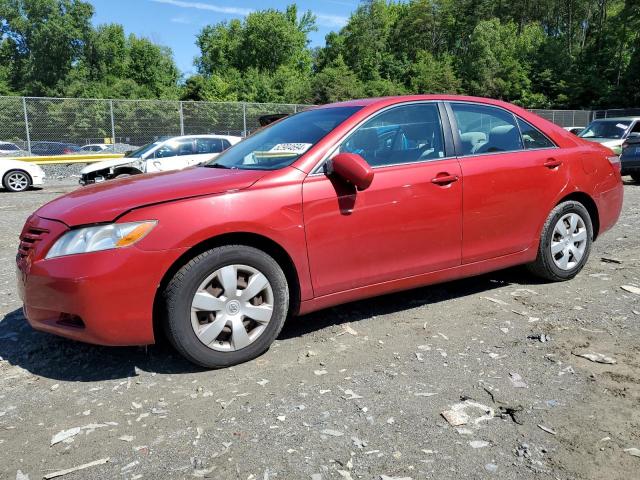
[(630, 158)]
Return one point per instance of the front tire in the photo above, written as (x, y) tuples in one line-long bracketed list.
[(16, 181), (226, 306), (565, 243)]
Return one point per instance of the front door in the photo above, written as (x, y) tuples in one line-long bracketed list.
[(408, 222), (173, 155)]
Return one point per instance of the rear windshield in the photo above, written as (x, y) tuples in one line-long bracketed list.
[(282, 143)]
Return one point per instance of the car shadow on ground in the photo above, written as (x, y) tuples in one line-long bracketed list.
[(57, 358), (396, 302)]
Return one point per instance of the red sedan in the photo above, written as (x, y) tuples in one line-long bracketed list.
[(334, 204)]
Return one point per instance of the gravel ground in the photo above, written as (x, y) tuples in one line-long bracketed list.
[(353, 392)]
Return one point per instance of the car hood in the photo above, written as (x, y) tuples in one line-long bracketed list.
[(104, 202), (607, 142), (116, 162)]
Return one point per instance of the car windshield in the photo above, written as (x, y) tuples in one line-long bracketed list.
[(282, 143), (613, 129), (142, 150)]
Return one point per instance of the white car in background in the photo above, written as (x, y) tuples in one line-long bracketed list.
[(18, 176), (94, 148), (163, 155)]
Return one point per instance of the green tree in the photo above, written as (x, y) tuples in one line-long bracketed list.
[(336, 82), (429, 75), (42, 40)]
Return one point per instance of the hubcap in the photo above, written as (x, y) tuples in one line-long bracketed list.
[(18, 181), (232, 308), (569, 241)]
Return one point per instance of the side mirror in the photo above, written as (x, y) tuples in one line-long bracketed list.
[(352, 168)]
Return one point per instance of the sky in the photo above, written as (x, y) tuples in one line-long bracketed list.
[(175, 23)]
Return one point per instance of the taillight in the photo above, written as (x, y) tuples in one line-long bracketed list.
[(614, 160)]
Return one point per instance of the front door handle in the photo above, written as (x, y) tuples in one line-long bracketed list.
[(444, 179), (552, 163)]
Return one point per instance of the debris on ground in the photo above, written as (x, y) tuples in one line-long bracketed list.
[(458, 414), (517, 381), (597, 358), (633, 451), (610, 260), (631, 289), (541, 337), (547, 429), (478, 444), (64, 435), (60, 473)]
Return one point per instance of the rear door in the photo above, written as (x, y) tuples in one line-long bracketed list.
[(408, 222), (208, 148), (512, 173)]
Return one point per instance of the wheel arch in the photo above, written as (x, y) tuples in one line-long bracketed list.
[(589, 204), (261, 242)]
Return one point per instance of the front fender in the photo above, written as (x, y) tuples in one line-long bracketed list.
[(270, 209)]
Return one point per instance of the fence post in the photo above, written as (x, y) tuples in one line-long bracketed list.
[(295, 109), (244, 119), (26, 123), (113, 127), (181, 120)]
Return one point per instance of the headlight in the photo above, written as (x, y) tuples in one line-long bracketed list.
[(102, 237)]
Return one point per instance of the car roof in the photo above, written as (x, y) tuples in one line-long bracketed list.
[(379, 101)]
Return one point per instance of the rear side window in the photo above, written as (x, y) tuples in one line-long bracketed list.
[(484, 129), (210, 145), (532, 137)]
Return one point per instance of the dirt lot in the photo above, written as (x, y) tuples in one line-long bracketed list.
[(354, 392)]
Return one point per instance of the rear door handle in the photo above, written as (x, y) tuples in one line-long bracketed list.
[(552, 163), (444, 179)]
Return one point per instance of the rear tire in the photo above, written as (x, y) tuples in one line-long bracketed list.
[(226, 306), (16, 181), (565, 243), (635, 177)]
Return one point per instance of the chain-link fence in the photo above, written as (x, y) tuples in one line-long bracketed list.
[(54, 126), (566, 118)]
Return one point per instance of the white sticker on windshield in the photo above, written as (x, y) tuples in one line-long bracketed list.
[(622, 126), (298, 148)]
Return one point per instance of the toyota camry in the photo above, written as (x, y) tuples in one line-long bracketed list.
[(334, 204)]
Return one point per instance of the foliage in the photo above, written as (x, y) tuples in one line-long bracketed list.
[(537, 53)]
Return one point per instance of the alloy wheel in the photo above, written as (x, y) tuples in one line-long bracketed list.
[(232, 308), (17, 181), (568, 241)]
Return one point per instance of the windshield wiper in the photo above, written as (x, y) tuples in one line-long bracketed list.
[(218, 165)]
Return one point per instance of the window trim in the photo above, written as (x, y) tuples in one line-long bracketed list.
[(447, 137), (456, 133)]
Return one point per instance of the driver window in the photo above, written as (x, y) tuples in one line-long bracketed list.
[(404, 134)]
